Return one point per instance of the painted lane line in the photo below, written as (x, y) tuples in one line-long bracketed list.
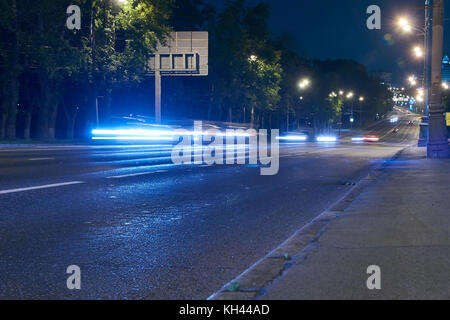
[(40, 159), (135, 174), (41, 187)]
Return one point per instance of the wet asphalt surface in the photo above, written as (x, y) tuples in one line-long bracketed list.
[(142, 228)]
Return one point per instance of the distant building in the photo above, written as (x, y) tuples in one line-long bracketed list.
[(446, 69)]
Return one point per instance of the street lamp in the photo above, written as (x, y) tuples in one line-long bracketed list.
[(425, 32), (420, 95), (304, 83), (350, 96), (412, 80), (404, 24), (361, 99), (418, 52), (407, 26)]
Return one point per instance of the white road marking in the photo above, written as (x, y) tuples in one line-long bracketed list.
[(40, 159), (136, 174), (41, 187)]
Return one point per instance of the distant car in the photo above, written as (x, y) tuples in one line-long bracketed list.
[(395, 130), (394, 120), (294, 136), (371, 138)]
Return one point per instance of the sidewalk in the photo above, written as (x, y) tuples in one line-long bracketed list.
[(400, 222)]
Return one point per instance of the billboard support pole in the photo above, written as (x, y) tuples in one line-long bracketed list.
[(157, 88), (158, 96), (184, 53)]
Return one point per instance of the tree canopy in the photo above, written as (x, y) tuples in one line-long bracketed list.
[(52, 77)]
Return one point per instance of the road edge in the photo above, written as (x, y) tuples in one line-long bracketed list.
[(254, 281)]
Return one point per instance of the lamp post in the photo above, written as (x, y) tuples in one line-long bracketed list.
[(418, 52), (352, 119), (361, 100), (341, 93), (427, 45), (437, 132), (303, 84), (426, 33)]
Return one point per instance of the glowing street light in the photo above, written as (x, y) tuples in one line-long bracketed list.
[(405, 25), (412, 80), (445, 85), (361, 99), (402, 22), (333, 94), (422, 52), (350, 95), (304, 83), (253, 57), (420, 95), (418, 52)]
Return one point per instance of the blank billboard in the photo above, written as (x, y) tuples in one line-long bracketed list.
[(184, 53)]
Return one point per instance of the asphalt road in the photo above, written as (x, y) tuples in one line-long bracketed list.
[(140, 227)]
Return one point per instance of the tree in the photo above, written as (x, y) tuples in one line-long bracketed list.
[(10, 67), (245, 69), (291, 105), (112, 47), (121, 40)]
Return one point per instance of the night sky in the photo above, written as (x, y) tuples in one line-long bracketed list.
[(337, 29)]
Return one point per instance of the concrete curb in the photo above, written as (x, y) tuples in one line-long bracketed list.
[(254, 281)]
